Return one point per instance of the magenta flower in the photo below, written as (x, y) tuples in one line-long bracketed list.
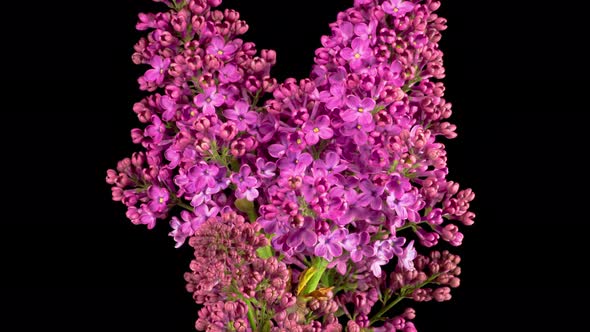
[(320, 128), (392, 73), (146, 21), (397, 7), (337, 96), (295, 162), (383, 253), (371, 195), (158, 72), (241, 115), (343, 32), (229, 73), (304, 234), (219, 48), (144, 216), (158, 198), (330, 245), (208, 100), (359, 133), (367, 31), (230, 94), (406, 259), (418, 40), (156, 130), (330, 164), (357, 245), (202, 176), (297, 141), (246, 184), (204, 212), (265, 169), (181, 230), (278, 150), (358, 111), (169, 106), (398, 185), (356, 55), (403, 205)]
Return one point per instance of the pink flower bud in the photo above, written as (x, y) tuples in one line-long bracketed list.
[(179, 23), (240, 27), (228, 131), (258, 64), (427, 239), (442, 294), (238, 148), (409, 313), (212, 62), (231, 15), (117, 194), (253, 84), (203, 145), (111, 176), (352, 326), (270, 56), (123, 165), (322, 56), (269, 84), (137, 159)]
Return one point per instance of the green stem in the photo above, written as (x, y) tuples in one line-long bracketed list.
[(184, 205), (251, 318), (403, 294), (386, 309), (411, 225), (256, 98)]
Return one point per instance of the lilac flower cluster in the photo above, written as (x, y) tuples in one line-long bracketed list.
[(228, 278), (340, 175)]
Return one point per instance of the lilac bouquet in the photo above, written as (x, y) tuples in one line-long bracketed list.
[(311, 205)]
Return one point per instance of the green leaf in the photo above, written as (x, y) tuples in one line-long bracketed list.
[(246, 206), (310, 278), (265, 252)]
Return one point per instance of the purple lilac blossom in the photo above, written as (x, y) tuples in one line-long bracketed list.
[(344, 167)]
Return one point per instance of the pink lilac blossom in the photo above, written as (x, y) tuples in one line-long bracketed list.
[(342, 176)]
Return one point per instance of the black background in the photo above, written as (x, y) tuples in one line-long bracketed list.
[(70, 261)]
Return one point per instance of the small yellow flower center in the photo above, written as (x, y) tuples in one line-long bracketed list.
[(208, 99), (161, 200), (220, 52), (395, 10), (358, 127), (361, 110), (357, 55), (192, 113), (316, 130), (299, 141)]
